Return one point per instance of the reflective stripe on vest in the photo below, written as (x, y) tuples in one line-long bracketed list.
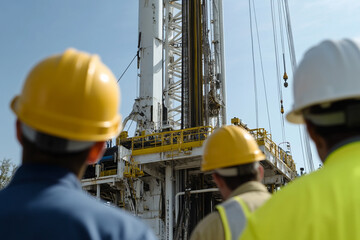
[(233, 213)]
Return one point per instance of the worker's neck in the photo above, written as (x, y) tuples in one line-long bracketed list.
[(225, 192), (79, 171)]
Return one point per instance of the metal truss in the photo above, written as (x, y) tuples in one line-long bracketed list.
[(172, 62)]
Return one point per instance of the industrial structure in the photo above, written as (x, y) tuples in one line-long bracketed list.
[(155, 174)]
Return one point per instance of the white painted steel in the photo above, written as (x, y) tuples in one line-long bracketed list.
[(196, 152), (278, 164), (98, 191), (276, 179), (169, 194), (101, 180), (147, 108), (219, 52)]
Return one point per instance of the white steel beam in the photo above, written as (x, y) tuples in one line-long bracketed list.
[(196, 152), (169, 205), (149, 103), (101, 180), (219, 54)]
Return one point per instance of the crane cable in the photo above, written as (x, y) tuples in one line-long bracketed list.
[(132, 120), (280, 96), (302, 150), (262, 67), (254, 72), (127, 67), (289, 35), (291, 44), (137, 55), (283, 57), (285, 76)]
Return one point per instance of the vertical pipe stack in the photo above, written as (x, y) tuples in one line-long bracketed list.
[(192, 67)]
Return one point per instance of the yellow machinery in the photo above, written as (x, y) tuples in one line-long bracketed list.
[(179, 140), (182, 140)]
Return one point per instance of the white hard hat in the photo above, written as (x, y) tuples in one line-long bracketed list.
[(329, 72)]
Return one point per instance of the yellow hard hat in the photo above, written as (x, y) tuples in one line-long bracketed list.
[(73, 96), (230, 146)]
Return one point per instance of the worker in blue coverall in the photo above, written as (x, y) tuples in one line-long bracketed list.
[(67, 110)]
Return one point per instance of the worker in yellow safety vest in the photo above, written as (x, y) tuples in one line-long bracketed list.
[(67, 110), (325, 203), (233, 156)]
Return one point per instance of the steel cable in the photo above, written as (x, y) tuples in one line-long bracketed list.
[(262, 67), (254, 72), (280, 97), (127, 67)]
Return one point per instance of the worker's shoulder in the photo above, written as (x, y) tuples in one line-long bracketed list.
[(304, 202), (209, 227), (255, 199), (291, 202), (90, 212), (212, 218), (321, 180), (253, 193), (303, 186), (100, 209), (302, 193), (83, 214), (320, 187)]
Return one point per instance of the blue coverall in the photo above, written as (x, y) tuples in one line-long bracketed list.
[(47, 202)]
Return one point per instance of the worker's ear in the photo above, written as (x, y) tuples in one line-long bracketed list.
[(311, 130), (319, 141), (18, 131), (221, 184), (96, 152), (219, 181), (260, 172)]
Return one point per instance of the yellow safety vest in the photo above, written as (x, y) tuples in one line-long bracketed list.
[(322, 205), (233, 214)]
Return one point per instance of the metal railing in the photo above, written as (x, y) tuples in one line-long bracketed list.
[(185, 139), (178, 140), (108, 172), (263, 138)]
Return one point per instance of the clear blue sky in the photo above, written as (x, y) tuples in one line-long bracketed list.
[(31, 30)]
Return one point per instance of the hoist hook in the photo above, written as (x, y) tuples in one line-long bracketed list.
[(285, 77)]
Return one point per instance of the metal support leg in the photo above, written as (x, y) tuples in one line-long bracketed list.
[(97, 174), (98, 191), (169, 191)]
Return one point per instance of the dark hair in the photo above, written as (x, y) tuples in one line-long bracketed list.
[(73, 161), (247, 172), (336, 133)]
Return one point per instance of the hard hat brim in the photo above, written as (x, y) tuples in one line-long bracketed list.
[(295, 116), (92, 133), (251, 158)]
